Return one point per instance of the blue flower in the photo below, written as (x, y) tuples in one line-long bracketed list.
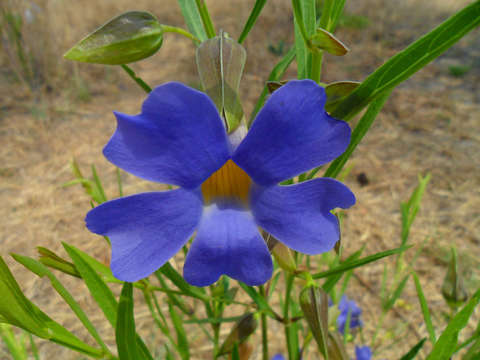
[(363, 353), (348, 306), (278, 357), (226, 192)]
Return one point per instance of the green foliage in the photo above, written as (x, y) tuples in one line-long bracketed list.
[(459, 70)]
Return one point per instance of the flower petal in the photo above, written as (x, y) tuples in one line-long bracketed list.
[(146, 229), (227, 242), (178, 138), (299, 215), (291, 134)]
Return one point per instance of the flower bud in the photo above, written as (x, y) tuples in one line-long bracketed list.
[(284, 257), (314, 303), (239, 333), (336, 348), (453, 289), (129, 37)]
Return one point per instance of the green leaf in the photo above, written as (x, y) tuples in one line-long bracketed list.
[(414, 350), (220, 63), (192, 18), (332, 9), (41, 270), (125, 335), (95, 284), (168, 271), (276, 73), (252, 19), (410, 209), (305, 24), (52, 260), (100, 291), (334, 279), (473, 352), (259, 300), (401, 66), (445, 347), (345, 266), (182, 340), (324, 40), (396, 294), (129, 37), (17, 310), (426, 312), (15, 347), (357, 135)]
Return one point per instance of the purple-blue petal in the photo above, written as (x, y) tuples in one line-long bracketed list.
[(291, 134), (178, 138), (227, 242), (347, 307), (146, 229), (278, 357), (299, 215), (363, 353)]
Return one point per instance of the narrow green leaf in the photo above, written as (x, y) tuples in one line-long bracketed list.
[(213, 320), (182, 340), (129, 37), (101, 198), (334, 279), (445, 347), (50, 259), (192, 18), (125, 329), (332, 9), (33, 348), (357, 135), (414, 350), (178, 280), (401, 66), (360, 262), (252, 19), (95, 284), (473, 352), (15, 348), (235, 352), (396, 294), (259, 300), (17, 310), (305, 23), (276, 73), (41, 270)]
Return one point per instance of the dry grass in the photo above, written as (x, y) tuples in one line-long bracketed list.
[(429, 125)]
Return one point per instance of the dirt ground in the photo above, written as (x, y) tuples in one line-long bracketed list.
[(429, 125)]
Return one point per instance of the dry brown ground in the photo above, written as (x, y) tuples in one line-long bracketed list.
[(430, 124)]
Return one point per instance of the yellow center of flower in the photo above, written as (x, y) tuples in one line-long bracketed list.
[(228, 182)]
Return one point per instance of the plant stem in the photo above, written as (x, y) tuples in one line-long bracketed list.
[(263, 320), (286, 309), (135, 78), (207, 21), (317, 57), (174, 29)]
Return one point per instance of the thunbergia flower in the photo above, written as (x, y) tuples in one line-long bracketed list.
[(363, 353), (278, 357), (226, 192), (347, 307)]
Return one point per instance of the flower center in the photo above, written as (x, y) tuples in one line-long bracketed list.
[(228, 182)]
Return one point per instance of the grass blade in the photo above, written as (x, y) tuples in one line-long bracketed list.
[(445, 347), (192, 18), (360, 262), (401, 66), (414, 350), (425, 310), (125, 329), (252, 19)]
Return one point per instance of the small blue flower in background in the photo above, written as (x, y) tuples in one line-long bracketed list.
[(278, 357), (347, 306), (225, 193), (363, 353)]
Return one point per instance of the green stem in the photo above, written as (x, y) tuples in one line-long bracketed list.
[(263, 320), (297, 12), (174, 29), (317, 57), (135, 78), (207, 21), (286, 310)]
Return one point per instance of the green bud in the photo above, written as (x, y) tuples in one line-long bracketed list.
[(284, 257), (52, 260), (239, 333), (323, 40), (220, 62), (314, 303), (453, 289), (336, 348), (129, 37)]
